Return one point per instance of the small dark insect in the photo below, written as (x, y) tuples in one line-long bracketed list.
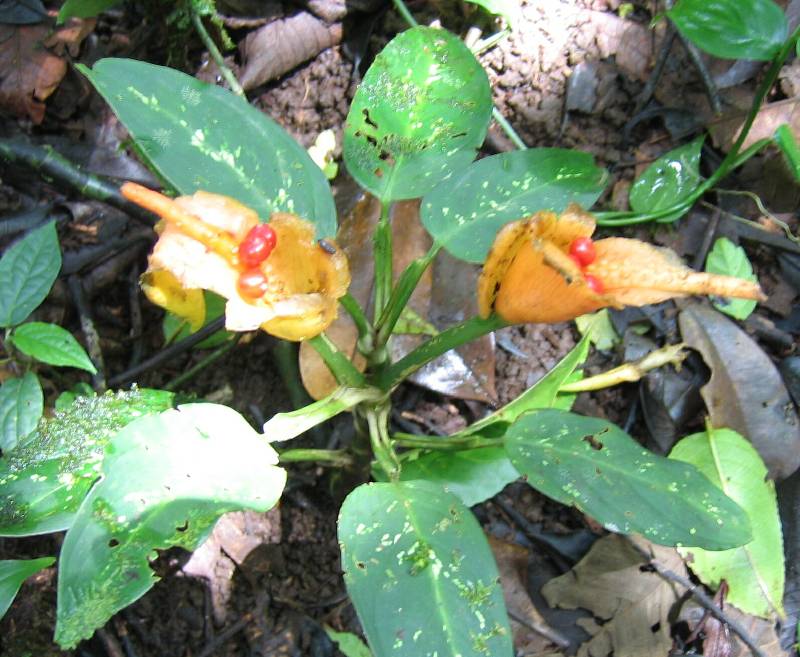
[(326, 246)]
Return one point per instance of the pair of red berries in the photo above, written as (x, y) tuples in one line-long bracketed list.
[(582, 251), (254, 249)]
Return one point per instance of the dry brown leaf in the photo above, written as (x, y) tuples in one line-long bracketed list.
[(29, 73), (632, 605), (771, 116)]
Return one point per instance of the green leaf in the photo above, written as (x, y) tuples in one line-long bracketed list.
[(13, 573), (27, 272), (465, 213), (176, 328), (419, 115), (732, 29), (669, 180), (21, 406), (508, 9), (420, 573), (788, 145), (202, 137), (598, 327), (348, 643), (44, 480), (600, 470), (84, 8), (755, 571), (51, 344), (731, 260), (166, 480)]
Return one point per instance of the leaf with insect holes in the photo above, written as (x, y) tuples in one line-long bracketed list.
[(202, 137), (465, 212), (21, 406), (732, 29), (27, 272), (153, 497), (731, 260), (420, 573), (419, 115), (600, 470), (13, 573), (667, 181), (51, 344)]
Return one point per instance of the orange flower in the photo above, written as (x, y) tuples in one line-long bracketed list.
[(292, 294), (529, 275)]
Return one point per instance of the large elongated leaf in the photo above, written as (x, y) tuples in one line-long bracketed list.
[(21, 406), (755, 571), (200, 136), (598, 468), (166, 480), (465, 212), (667, 181), (420, 573), (419, 115), (44, 480), (13, 573), (27, 272), (732, 29), (51, 344)]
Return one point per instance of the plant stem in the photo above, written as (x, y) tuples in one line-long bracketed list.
[(403, 11), (285, 355), (216, 55), (339, 364), (383, 261), (214, 356), (450, 444), (508, 129), (378, 422), (453, 337), (356, 312), (336, 457)]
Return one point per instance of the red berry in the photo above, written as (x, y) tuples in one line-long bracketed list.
[(252, 284), (594, 283), (582, 251), (257, 245)]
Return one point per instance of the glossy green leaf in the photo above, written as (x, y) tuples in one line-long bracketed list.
[(348, 643), (27, 272), (166, 480), (667, 181), (419, 115), (13, 573), (176, 328), (84, 8), (789, 147), (732, 29), (44, 480), (465, 213), (21, 406), (755, 571), (600, 470), (202, 137), (420, 573), (731, 260), (472, 475), (51, 344)]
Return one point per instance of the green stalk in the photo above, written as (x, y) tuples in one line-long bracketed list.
[(216, 55), (335, 457), (356, 312), (403, 11), (378, 423), (453, 337), (340, 366), (446, 443), (383, 261)]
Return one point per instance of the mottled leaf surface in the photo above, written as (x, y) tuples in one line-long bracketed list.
[(13, 573), (44, 480), (200, 136), (755, 571), (420, 573), (600, 470), (419, 115), (21, 406), (465, 212), (732, 29), (27, 272), (668, 180), (166, 480), (51, 344)]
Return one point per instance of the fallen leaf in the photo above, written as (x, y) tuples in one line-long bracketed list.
[(632, 604), (745, 392), (772, 115)]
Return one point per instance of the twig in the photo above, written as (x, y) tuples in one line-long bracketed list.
[(658, 70), (708, 237), (89, 331), (705, 75), (216, 55), (701, 597), (543, 630), (227, 633), (168, 353), (214, 356), (49, 163), (135, 306), (110, 643)]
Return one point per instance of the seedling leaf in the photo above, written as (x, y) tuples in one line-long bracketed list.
[(731, 260), (13, 573), (21, 406), (51, 344)]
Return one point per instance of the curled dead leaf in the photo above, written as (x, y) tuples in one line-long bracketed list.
[(529, 275), (299, 284)]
